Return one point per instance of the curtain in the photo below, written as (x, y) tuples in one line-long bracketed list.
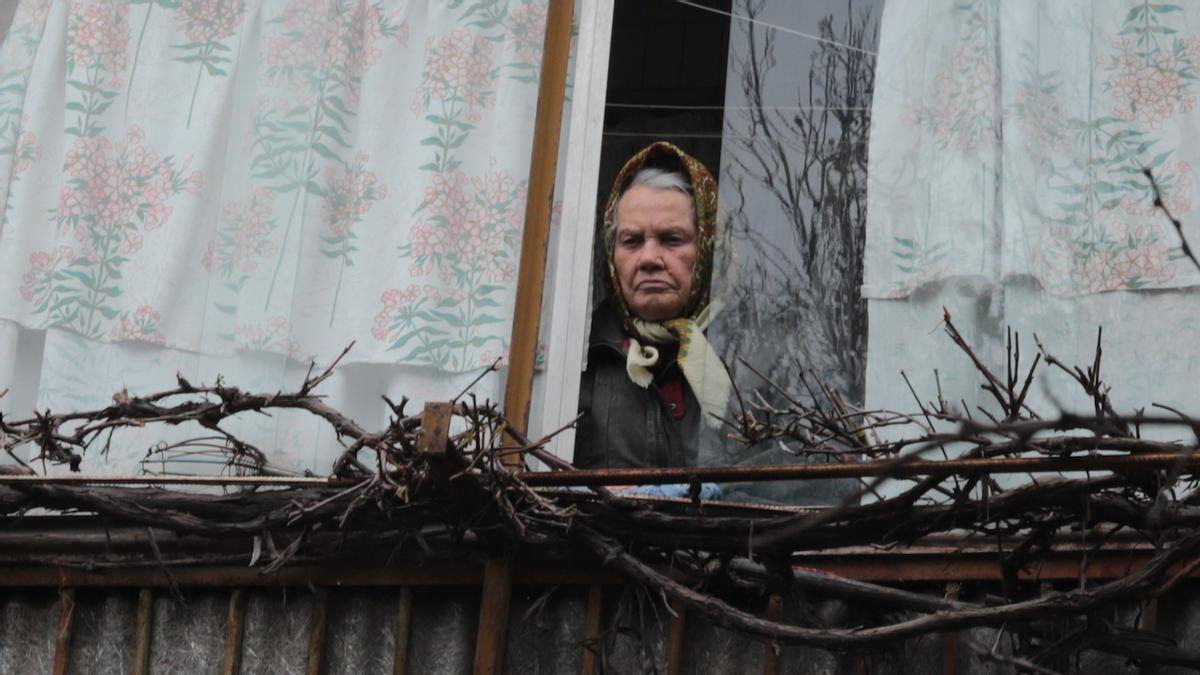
[(242, 187), (1012, 140), (1007, 185)]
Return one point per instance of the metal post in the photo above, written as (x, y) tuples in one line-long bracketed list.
[(143, 632), (531, 276), (493, 617), (316, 635), (591, 630), (62, 639), (231, 664), (403, 630)]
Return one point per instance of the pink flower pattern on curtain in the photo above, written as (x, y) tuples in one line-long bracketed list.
[(1013, 141), (269, 175)]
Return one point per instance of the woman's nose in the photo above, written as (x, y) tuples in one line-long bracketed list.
[(651, 254)]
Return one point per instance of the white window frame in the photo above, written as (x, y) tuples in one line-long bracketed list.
[(568, 297)]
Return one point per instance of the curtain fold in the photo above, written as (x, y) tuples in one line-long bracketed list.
[(1011, 138), (1007, 157), (242, 187)]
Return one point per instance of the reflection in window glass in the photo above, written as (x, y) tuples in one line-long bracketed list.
[(794, 167), (1003, 147), (775, 101)]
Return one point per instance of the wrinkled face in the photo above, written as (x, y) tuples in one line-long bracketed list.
[(655, 251)]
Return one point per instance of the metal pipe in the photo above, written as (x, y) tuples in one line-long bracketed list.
[(317, 633), (492, 633), (535, 238), (891, 468), (665, 475), (404, 612), (264, 481), (143, 632), (591, 631), (231, 662), (62, 637), (902, 565)]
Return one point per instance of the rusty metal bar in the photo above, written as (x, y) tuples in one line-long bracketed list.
[(881, 567), (403, 631), (493, 616), (143, 631), (676, 634), (771, 649), (231, 662), (535, 239), (264, 481), (659, 476), (317, 632), (62, 638), (591, 631), (443, 573), (891, 468)]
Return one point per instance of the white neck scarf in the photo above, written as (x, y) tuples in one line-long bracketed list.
[(702, 368)]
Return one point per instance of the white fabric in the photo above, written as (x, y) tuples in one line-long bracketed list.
[(703, 369), (1150, 354), (638, 362), (1007, 143), (1008, 139), (243, 186)]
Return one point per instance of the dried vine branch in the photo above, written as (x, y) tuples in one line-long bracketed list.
[(424, 495)]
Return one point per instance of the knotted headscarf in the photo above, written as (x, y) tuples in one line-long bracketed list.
[(702, 368)]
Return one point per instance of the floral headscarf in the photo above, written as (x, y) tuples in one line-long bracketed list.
[(703, 369), (704, 200)]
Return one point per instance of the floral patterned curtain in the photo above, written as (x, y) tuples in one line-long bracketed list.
[(242, 186), (1010, 139), (1008, 144)]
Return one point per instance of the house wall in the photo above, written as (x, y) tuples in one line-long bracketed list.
[(546, 634)]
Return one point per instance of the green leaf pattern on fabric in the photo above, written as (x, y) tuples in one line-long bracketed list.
[(19, 143), (243, 175), (1095, 227), (467, 234), (1101, 229), (115, 191)]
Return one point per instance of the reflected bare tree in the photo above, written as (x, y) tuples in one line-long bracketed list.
[(798, 276)]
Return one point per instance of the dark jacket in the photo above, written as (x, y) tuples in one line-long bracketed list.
[(624, 425)]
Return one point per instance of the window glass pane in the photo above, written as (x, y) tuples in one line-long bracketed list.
[(768, 98), (884, 168), (794, 169)]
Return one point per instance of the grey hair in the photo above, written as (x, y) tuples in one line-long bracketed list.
[(650, 177)]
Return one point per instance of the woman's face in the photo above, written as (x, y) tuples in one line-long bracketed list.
[(655, 252)]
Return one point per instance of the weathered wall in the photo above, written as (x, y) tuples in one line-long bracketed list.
[(546, 628)]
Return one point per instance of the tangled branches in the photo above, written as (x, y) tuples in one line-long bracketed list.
[(440, 476)]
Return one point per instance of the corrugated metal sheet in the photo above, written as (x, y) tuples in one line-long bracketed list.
[(546, 629)]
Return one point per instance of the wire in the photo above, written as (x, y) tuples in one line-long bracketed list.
[(783, 29), (685, 134), (665, 106)]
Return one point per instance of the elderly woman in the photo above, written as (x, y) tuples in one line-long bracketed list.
[(652, 379)]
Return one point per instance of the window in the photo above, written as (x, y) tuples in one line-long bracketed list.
[(1005, 185)]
